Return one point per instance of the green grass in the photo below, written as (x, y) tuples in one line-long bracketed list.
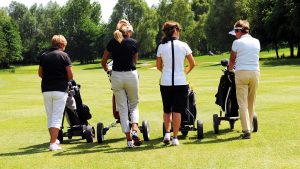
[(24, 137)]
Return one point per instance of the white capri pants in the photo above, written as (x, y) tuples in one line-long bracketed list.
[(55, 103), (125, 86)]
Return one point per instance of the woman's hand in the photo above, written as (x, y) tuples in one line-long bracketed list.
[(192, 63), (104, 60)]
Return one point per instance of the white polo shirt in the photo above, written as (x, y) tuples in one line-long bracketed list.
[(247, 49), (181, 50)]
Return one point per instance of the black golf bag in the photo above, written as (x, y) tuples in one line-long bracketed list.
[(77, 115), (226, 96)]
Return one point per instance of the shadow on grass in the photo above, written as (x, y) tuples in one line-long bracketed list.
[(267, 62), (106, 148), (34, 149), (211, 138), (87, 148)]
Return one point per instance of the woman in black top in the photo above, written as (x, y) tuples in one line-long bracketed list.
[(124, 80), (55, 69)]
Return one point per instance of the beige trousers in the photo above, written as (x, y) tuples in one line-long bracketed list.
[(125, 86), (246, 86)]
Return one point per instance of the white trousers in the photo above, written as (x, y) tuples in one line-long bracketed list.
[(125, 86), (55, 103)]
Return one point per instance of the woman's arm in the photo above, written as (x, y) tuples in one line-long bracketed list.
[(136, 57), (159, 63), (40, 72), (232, 60), (69, 72), (192, 63), (104, 60)]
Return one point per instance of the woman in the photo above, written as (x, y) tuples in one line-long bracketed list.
[(55, 69), (124, 80), (173, 88), (245, 57)]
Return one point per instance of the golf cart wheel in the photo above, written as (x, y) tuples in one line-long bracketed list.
[(89, 134), (184, 132), (60, 136), (216, 123), (100, 135), (199, 129), (231, 122), (255, 123), (146, 130)]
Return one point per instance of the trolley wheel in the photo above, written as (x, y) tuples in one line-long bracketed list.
[(231, 122), (216, 123), (100, 135), (199, 129), (89, 134), (60, 136), (146, 130), (184, 132), (255, 123)]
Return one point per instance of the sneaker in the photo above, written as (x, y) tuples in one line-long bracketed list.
[(175, 142), (246, 135), (57, 142), (130, 144), (135, 138), (54, 147), (167, 138)]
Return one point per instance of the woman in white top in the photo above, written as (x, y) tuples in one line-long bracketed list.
[(244, 57), (173, 85)]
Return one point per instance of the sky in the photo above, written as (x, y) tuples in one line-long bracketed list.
[(106, 5)]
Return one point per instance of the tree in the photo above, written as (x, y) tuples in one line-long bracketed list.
[(179, 11), (143, 20), (199, 8), (220, 20), (198, 37), (82, 29), (146, 32), (10, 41)]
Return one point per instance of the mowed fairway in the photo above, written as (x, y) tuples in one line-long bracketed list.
[(24, 138)]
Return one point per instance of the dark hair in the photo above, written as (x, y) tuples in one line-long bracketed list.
[(168, 29)]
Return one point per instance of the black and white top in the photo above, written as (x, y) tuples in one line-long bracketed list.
[(181, 50)]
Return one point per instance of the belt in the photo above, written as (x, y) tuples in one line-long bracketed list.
[(123, 70)]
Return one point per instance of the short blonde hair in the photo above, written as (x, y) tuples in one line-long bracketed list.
[(244, 24), (58, 41)]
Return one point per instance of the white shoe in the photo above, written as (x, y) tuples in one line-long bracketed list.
[(175, 142), (167, 138), (57, 142), (54, 147), (130, 144)]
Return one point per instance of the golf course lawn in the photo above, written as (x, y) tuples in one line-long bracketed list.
[(24, 138)]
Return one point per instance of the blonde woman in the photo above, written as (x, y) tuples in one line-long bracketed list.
[(124, 80), (55, 69)]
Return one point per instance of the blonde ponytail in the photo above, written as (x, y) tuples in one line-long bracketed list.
[(118, 36)]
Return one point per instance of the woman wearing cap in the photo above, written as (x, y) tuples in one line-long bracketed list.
[(124, 79), (55, 69), (244, 58), (173, 88)]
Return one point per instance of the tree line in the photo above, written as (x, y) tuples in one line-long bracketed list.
[(26, 32)]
